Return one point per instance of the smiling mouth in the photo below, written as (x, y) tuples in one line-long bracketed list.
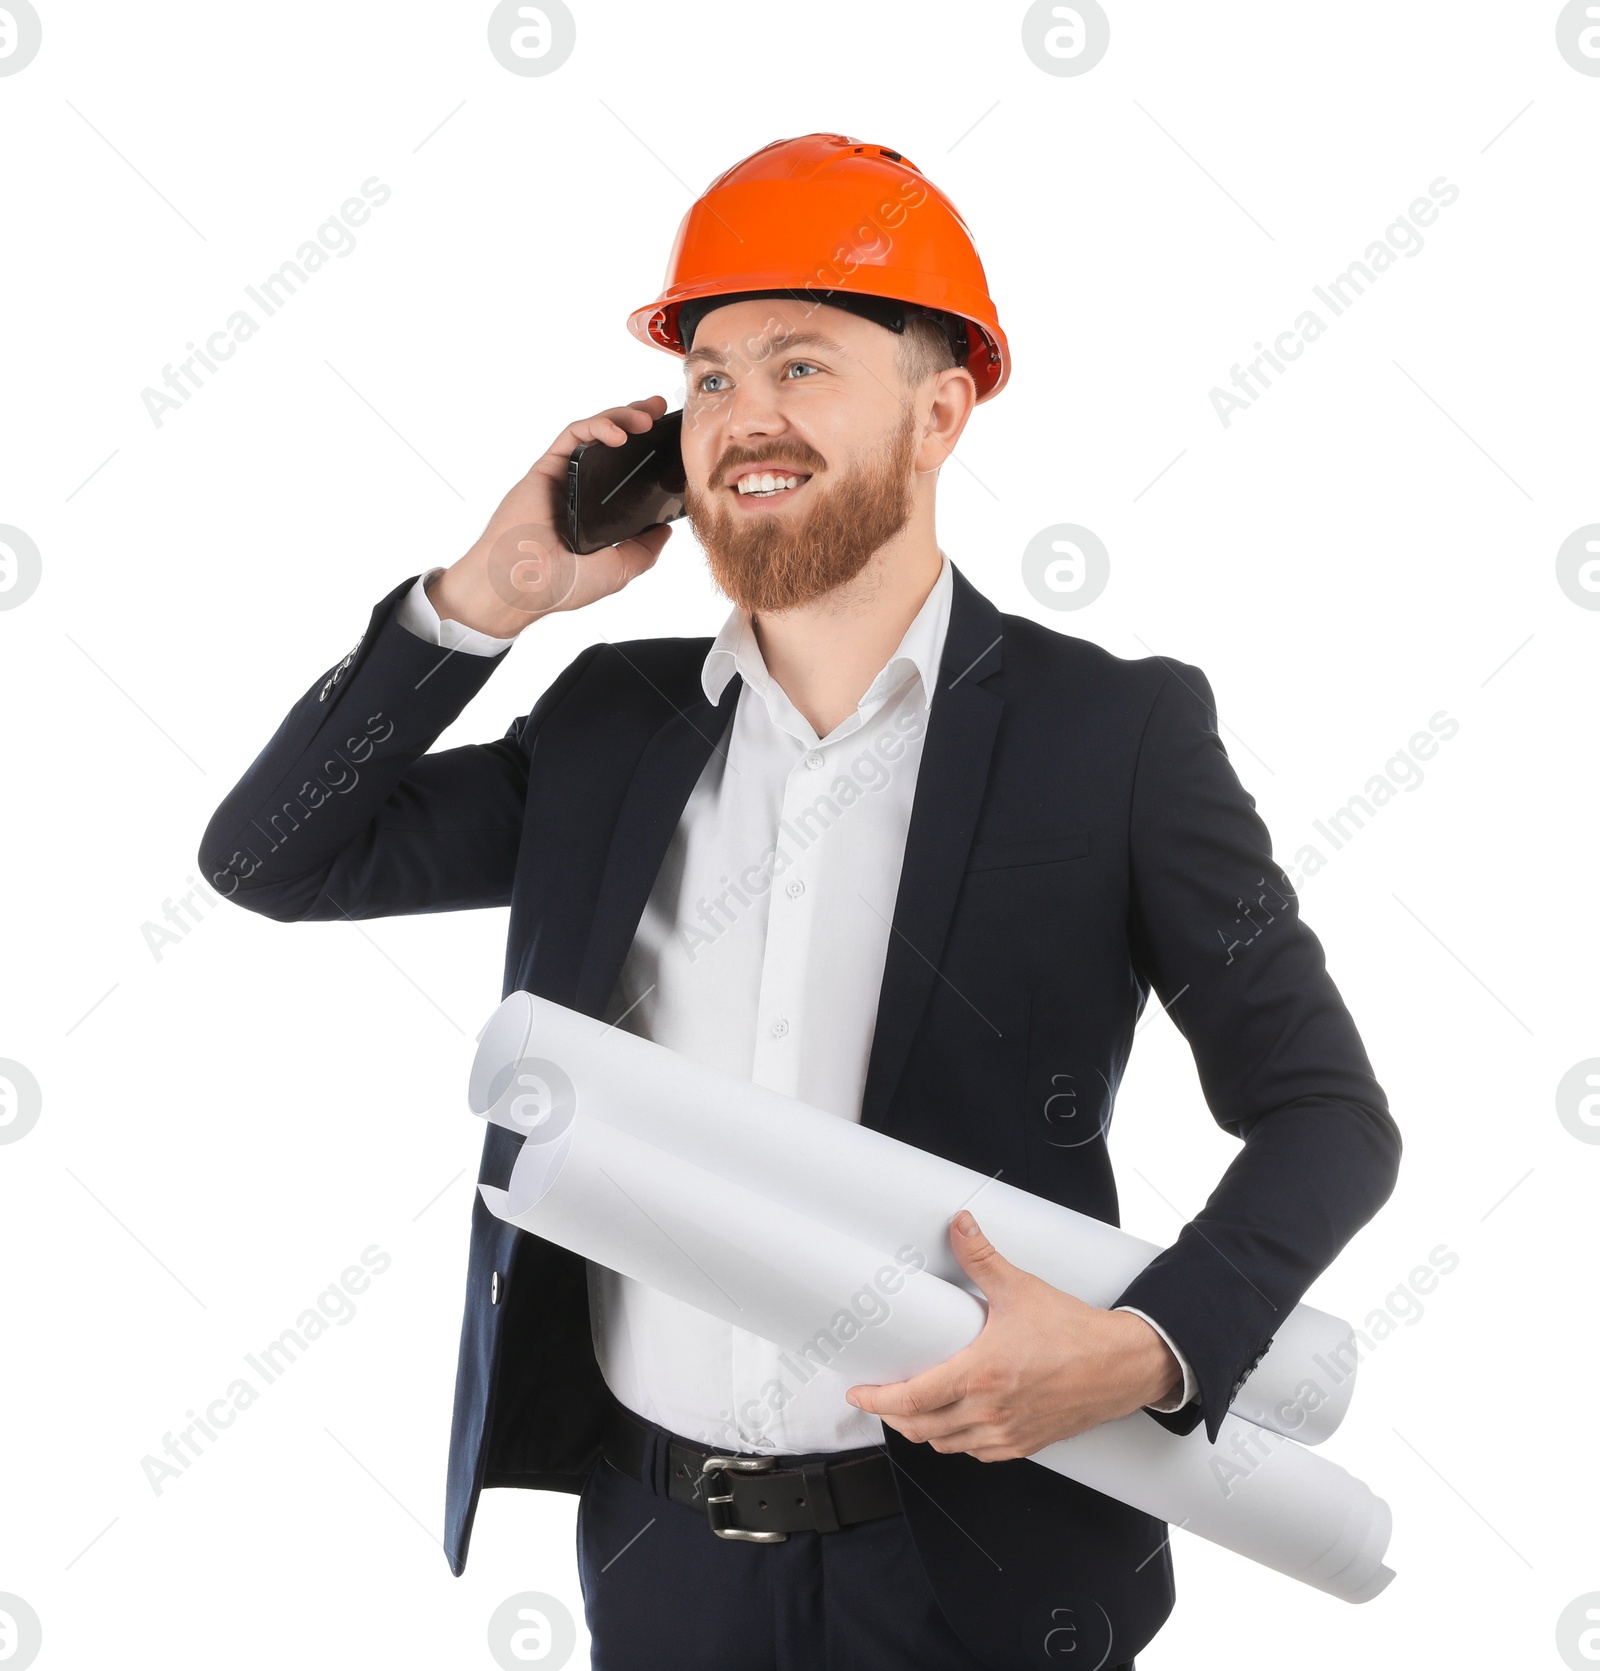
[(765, 486)]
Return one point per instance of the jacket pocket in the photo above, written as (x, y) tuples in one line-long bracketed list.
[(1028, 850)]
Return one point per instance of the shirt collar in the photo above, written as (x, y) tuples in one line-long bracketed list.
[(734, 650)]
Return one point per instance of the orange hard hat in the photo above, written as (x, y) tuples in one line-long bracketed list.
[(825, 216)]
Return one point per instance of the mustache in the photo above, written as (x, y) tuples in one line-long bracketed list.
[(796, 453)]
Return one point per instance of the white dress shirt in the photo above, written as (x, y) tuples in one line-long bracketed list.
[(761, 953)]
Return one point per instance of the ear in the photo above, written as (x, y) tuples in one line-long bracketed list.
[(950, 404)]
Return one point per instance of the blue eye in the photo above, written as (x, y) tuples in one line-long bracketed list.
[(700, 383), (798, 364)]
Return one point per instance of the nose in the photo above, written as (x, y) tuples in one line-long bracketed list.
[(754, 413)]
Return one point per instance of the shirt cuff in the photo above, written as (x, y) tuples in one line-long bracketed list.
[(416, 614), (1187, 1391)]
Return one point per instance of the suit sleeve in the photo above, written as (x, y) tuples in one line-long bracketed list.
[(1215, 929), (345, 813)]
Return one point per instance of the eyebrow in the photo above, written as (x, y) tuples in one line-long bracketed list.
[(799, 339)]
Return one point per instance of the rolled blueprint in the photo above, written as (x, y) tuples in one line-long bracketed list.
[(871, 1186), (827, 1298)]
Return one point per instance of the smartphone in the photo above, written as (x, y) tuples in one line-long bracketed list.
[(614, 493)]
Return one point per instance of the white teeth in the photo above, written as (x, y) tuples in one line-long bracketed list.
[(766, 483)]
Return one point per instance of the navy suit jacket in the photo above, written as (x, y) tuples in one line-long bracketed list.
[(1078, 839)]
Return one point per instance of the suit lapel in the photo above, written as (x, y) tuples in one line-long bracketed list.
[(661, 784), (951, 780)]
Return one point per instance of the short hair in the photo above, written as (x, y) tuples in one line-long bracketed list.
[(924, 348)]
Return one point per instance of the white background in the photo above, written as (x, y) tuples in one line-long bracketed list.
[(226, 1127)]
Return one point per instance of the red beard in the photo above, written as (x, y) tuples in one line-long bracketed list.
[(770, 563)]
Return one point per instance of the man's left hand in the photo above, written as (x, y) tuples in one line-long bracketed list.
[(1044, 1367)]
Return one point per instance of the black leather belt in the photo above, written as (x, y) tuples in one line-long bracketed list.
[(750, 1497)]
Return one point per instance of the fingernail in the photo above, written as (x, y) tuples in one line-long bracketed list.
[(965, 1222)]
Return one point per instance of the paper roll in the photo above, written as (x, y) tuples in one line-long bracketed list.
[(826, 1298), (879, 1190)]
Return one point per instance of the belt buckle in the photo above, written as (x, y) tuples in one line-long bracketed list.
[(745, 1465)]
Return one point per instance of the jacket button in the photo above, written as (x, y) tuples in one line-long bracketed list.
[(496, 1287)]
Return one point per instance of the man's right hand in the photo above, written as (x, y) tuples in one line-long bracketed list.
[(521, 566)]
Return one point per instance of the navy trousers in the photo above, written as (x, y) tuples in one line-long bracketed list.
[(660, 1589)]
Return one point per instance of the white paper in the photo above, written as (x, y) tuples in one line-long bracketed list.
[(824, 1296), (879, 1190)]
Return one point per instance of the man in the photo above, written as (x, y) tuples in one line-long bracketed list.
[(876, 846)]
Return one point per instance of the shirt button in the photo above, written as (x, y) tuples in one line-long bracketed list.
[(779, 1028), (795, 889), (813, 761)]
